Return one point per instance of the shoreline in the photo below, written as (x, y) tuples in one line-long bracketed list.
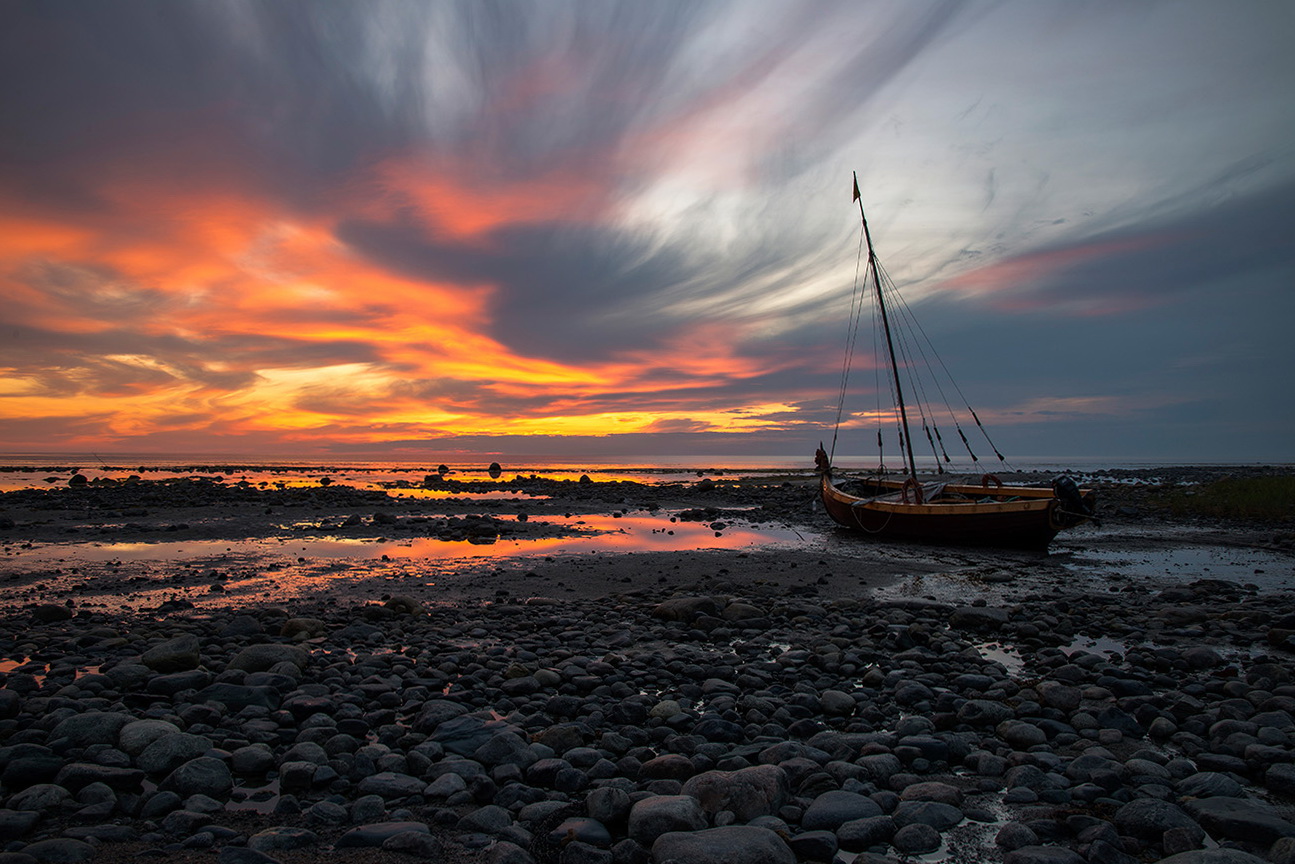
[(994, 699)]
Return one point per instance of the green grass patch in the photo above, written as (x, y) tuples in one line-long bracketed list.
[(1270, 498)]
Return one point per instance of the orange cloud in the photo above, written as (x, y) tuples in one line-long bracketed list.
[(215, 309)]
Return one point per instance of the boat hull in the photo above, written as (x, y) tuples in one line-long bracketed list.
[(1012, 517)]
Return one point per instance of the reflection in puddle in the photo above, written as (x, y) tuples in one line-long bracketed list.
[(629, 533), (1005, 655), (212, 572), (39, 670)]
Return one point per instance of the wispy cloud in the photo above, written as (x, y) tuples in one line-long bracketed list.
[(237, 224)]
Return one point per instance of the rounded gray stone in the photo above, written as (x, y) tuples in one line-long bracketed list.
[(734, 844), (833, 809), (661, 814)]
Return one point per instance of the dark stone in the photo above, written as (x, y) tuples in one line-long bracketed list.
[(377, 833), (1240, 819)]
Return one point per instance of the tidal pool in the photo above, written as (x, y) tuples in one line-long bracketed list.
[(216, 572)]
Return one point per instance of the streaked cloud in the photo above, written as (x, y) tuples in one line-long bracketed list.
[(248, 226)]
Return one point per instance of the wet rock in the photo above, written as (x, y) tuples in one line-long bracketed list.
[(760, 790), (262, 658), (465, 734), (939, 816), (933, 790), (1240, 819), (1148, 819), (48, 613), (581, 829), (205, 775), (174, 655), (171, 750), (831, 810), (91, 727), (916, 839), (302, 628), (60, 850), (1015, 835), (282, 837), (1043, 855), (389, 784), (983, 712), (491, 819), (737, 844), (651, 817), (1280, 778), (377, 833), (859, 834), (42, 796), (76, 775), (1209, 784), (135, 737), (419, 845), (685, 609), (1213, 856), (978, 618), (236, 697)]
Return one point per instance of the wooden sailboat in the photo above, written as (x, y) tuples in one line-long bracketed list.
[(985, 513)]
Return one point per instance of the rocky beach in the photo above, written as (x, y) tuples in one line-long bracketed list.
[(192, 671)]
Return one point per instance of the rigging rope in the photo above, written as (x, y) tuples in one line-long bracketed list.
[(851, 336), (913, 343)]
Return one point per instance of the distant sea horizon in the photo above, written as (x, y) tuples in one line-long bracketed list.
[(472, 461)]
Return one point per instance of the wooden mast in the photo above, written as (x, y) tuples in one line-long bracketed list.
[(885, 324)]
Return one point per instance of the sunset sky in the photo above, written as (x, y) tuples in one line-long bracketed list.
[(600, 229)]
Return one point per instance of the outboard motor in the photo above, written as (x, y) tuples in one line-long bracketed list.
[(1067, 492)]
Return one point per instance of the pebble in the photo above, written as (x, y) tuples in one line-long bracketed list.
[(628, 729)]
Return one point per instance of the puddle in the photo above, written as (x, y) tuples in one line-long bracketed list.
[(40, 670), (630, 533), (211, 572), (1005, 655), (1180, 558)]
